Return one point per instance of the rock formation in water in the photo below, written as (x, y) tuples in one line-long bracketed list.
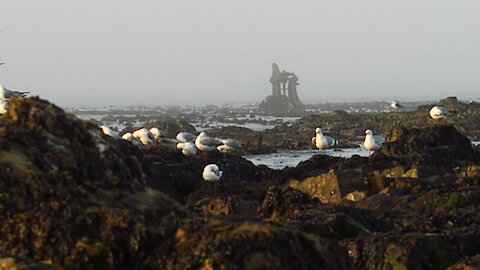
[(284, 98), (73, 198)]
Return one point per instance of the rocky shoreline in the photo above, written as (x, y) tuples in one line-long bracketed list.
[(74, 198)]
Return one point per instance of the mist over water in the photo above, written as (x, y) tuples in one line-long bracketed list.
[(80, 53)]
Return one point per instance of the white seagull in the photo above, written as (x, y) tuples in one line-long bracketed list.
[(229, 145), (5, 95), (185, 137), (128, 136), (10, 93), (109, 132), (144, 135), (212, 173), (439, 113), (157, 133), (369, 142), (321, 141), (188, 148), (205, 143), (395, 105)]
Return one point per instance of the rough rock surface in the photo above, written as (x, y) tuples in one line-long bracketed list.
[(73, 198)]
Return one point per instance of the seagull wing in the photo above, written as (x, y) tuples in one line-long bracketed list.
[(331, 141), (231, 143), (9, 93), (209, 141)]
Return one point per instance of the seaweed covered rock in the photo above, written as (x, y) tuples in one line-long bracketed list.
[(430, 145), (226, 244), (181, 177), (71, 196), (18, 263)]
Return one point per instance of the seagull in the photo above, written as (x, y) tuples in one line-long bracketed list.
[(439, 113), (185, 137), (157, 133), (10, 93), (395, 105), (107, 131), (144, 135), (3, 104), (5, 95), (188, 148), (128, 136), (205, 143), (321, 141), (228, 145), (211, 173), (369, 142)]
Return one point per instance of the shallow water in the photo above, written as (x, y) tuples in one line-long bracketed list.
[(291, 158)]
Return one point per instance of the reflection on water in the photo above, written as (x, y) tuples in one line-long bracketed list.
[(291, 158)]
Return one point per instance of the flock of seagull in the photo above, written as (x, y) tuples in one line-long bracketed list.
[(189, 143)]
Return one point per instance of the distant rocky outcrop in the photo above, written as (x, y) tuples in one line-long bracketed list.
[(284, 99)]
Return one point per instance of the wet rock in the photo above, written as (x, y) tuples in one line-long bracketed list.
[(279, 200), (469, 263), (71, 196), (401, 251), (325, 187), (355, 196), (223, 244), (228, 205), (12, 262), (429, 145)]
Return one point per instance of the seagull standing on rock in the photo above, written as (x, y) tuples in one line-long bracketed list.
[(439, 113), (369, 142), (321, 141)]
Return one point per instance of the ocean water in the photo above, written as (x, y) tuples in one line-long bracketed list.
[(291, 158)]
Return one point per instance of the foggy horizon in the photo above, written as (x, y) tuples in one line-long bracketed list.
[(120, 53)]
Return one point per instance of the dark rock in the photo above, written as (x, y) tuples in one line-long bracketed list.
[(430, 145), (469, 263), (224, 244), (17, 263), (70, 195)]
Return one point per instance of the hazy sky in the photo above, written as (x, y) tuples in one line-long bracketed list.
[(119, 52)]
